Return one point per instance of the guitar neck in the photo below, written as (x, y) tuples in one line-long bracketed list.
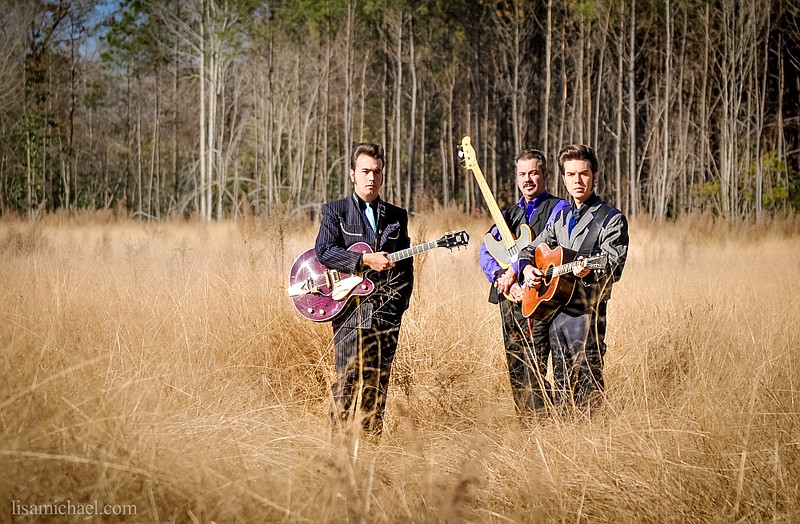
[(563, 269), (497, 215), (412, 251)]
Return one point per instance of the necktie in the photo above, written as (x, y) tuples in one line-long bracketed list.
[(370, 217), (572, 219)]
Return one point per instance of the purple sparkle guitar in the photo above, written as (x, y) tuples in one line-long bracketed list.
[(320, 293)]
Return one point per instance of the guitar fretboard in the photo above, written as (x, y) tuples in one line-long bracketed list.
[(499, 221), (596, 262), (331, 275), (557, 271), (412, 251)]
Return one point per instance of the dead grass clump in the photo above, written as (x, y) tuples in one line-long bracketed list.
[(23, 240)]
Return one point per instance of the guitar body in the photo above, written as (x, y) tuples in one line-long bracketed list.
[(503, 255), (319, 293), (543, 303)]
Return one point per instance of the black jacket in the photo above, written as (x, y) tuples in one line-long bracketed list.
[(344, 224)]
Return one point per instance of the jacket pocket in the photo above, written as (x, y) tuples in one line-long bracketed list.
[(392, 232), (351, 230)]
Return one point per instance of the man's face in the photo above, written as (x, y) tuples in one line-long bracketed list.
[(531, 180), (579, 179), (367, 177)]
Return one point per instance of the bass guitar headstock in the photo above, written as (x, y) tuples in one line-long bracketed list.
[(467, 153)]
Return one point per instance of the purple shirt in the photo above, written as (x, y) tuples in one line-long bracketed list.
[(489, 265)]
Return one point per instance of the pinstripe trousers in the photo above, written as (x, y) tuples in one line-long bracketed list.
[(365, 346)]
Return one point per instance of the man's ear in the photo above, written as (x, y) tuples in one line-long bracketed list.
[(352, 176)]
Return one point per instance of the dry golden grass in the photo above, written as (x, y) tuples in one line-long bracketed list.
[(163, 366)]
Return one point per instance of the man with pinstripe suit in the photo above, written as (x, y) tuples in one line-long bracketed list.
[(365, 333), (577, 332)]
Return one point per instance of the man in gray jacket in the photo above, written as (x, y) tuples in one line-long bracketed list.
[(577, 331)]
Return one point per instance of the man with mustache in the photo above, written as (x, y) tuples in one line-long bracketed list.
[(527, 349), (365, 333), (577, 331)]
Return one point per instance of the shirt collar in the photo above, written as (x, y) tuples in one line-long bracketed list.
[(535, 202), (362, 205), (591, 201)]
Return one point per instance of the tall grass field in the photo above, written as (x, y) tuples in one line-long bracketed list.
[(162, 369)]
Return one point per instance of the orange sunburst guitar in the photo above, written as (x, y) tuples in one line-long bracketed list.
[(558, 283), (506, 250)]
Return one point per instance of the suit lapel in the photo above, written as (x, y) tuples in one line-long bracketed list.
[(380, 220), (536, 218)]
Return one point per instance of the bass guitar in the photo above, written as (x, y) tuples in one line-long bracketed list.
[(506, 250), (320, 293), (558, 283)]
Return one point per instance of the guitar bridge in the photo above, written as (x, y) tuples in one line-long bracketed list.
[(306, 287)]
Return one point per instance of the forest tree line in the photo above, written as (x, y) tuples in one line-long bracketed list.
[(214, 108)]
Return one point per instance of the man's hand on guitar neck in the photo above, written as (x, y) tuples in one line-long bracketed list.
[(580, 270), (378, 261)]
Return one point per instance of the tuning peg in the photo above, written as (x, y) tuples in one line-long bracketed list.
[(460, 153)]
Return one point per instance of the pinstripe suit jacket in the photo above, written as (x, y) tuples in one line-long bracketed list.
[(344, 224), (612, 241)]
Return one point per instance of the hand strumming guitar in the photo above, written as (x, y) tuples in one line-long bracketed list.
[(377, 261), (533, 277)]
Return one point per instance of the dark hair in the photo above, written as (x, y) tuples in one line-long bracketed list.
[(532, 154), (577, 152), (367, 148)]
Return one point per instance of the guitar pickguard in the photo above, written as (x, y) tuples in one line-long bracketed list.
[(507, 256)]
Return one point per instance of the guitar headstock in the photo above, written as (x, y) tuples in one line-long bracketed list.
[(453, 239), (467, 153), (595, 262)]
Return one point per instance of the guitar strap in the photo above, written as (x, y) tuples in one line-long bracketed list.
[(604, 214)]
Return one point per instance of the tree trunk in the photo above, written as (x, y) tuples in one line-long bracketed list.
[(412, 128), (619, 109), (662, 193), (348, 81), (202, 116), (760, 122), (545, 131), (398, 108), (633, 172), (139, 181)]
